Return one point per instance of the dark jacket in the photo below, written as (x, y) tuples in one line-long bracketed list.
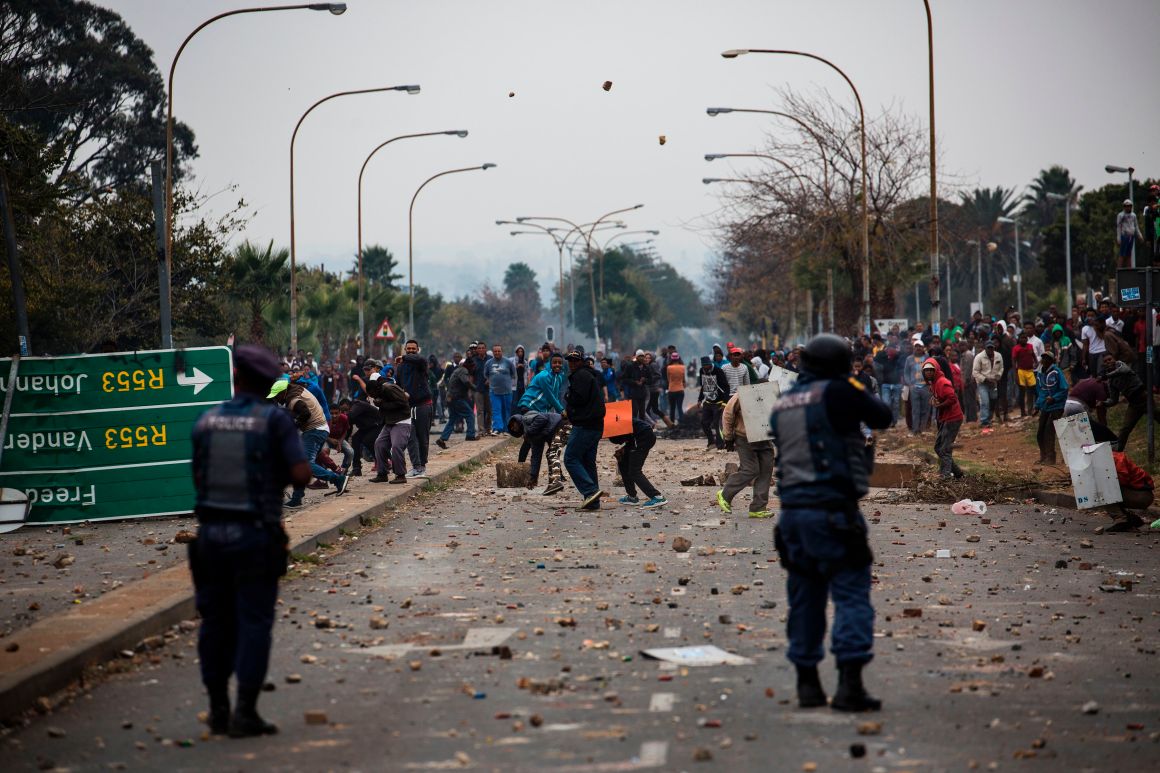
[(585, 399), (413, 378), (460, 384), (1122, 380), (390, 399), (642, 438)]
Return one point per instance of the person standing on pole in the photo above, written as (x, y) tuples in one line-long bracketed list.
[(823, 465), (245, 452)]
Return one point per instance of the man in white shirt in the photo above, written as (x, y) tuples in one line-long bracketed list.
[(1094, 346), (735, 371)]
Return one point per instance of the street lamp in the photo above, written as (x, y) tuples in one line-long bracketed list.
[(793, 173), (362, 330), (978, 273), (166, 295), (410, 89), (411, 240), (1130, 170), (559, 242), (629, 233), (733, 54), (1018, 271), (588, 243), (716, 111), (1066, 198)]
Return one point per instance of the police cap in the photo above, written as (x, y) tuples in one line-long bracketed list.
[(827, 356)]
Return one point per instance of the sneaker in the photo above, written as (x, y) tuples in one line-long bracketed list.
[(355, 473), (418, 472), (590, 499), (441, 443), (986, 431), (657, 501), (399, 479), (318, 484), (1155, 524), (760, 514), (593, 506), (471, 438), (292, 504), (341, 485), (555, 487), (381, 479), (629, 500), (724, 505)]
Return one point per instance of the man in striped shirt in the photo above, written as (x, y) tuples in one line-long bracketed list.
[(735, 371)]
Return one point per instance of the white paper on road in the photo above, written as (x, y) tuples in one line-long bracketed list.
[(1093, 470), (697, 656), (756, 404), (475, 639)]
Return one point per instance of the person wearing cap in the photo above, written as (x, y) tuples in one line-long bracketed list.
[(459, 388), (245, 452), (584, 407), (1050, 398), (986, 371), (1127, 229), (821, 536), (311, 422), (712, 398), (634, 384), (736, 372), (948, 415), (675, 376), (1151, 218)]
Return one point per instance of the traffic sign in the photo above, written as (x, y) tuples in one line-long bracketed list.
[(385, 333), (107, 436)]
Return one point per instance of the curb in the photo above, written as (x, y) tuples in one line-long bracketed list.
[(54, 652)]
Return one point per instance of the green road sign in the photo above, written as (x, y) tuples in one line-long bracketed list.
[(108, 435)]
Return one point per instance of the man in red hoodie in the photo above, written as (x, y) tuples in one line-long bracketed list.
[(948, 414)]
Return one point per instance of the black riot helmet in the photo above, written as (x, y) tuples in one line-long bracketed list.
[(827, 356)]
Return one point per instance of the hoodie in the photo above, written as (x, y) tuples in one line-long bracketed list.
[(943, 394)]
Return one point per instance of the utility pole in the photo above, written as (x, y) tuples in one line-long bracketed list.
[(14, 269), (162, 265)]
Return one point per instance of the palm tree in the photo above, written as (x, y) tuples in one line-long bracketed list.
[(1038, 211), (257, 277)]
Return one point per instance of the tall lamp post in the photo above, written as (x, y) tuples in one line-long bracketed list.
[(411, 239), (1113, 169), (362, 330), (410, 89), (588, 244), (559, 242), (933, 177), (336, 9), (1018, 268), (733, 54), (1066, 199), (979, 273)]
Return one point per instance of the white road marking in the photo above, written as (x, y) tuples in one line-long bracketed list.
[(476, 639)]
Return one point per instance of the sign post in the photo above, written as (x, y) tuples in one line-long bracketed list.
[(107, 436), (1137, 287)]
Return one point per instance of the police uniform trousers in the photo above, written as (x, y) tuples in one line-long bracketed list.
[(236, 566), (817, 546)]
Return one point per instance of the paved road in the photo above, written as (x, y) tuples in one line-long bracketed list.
[(516, 625)]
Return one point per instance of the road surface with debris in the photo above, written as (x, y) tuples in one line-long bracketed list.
[(488, 629)]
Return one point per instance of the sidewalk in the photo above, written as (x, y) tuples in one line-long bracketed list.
[(49, 654)]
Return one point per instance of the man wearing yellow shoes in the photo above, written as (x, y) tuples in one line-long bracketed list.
[(756, 463)]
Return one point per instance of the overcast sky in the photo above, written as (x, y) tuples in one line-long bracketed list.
[(1019, 86)]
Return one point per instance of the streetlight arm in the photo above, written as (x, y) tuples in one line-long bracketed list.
[(335, 8), (794, 173), (614, 237), (808, 129)]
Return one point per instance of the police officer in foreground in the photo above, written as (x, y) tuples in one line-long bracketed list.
[(245, 452), (824, 464)]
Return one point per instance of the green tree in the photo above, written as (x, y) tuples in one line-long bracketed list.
[(76, 75), (256, 278), (379, 266), (519, 282)]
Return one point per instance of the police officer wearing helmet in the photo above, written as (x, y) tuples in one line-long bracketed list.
[(245, 452), (824, 466)]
